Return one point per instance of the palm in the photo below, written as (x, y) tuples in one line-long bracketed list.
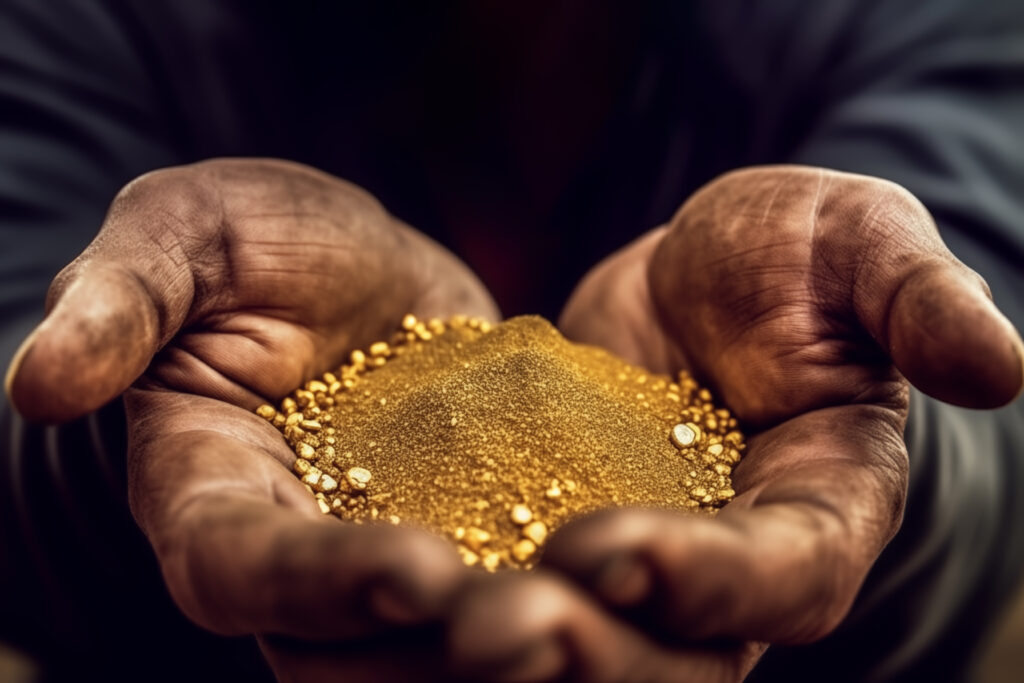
[(784, 294), (230, 283), (288, 277), (790, 292)]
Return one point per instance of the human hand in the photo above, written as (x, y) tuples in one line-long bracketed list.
[(806, 299), (214, 288)]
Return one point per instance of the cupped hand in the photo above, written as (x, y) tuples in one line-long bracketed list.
[(806, 299), (209, 290)]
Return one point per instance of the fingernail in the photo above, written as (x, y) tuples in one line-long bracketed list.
[(394, 604), (623, 580)]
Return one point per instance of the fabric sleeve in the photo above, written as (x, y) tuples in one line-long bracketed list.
[(81, 114)]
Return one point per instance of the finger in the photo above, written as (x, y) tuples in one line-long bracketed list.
[(237, 563), (777, 272), (933, 314), (536, 627), (937, 320), (294, 265), (115, 305), (242, 545), (612, 308), (821, 496)]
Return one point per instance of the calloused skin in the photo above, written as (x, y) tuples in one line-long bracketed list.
[(807, 299), (209, 290), (803, 297)]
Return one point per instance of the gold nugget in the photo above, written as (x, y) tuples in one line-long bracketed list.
[(497, 435)]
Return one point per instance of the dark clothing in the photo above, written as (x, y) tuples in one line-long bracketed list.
[(532, 143)]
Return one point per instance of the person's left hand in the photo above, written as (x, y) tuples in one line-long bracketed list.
[(803, 297)]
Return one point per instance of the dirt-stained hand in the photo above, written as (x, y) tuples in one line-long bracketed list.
[(209, 290), (806, 299)]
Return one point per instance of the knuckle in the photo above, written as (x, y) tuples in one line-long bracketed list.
[(975, 278), (174, 183), (166, 199), (828, 605), (898, 196), (825, 622), (186, 574), (898, 212), (61, 281)]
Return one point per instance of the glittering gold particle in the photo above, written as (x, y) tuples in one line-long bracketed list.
[(497, 435)]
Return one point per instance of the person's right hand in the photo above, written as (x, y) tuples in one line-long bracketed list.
[(209, 290)]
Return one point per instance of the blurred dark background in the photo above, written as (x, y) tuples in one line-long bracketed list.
[(530, 138)]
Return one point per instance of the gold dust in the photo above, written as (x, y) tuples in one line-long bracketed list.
[(683, 436), (536, 532), (523, 550), (521, 514), (497, 435), (358, 478)]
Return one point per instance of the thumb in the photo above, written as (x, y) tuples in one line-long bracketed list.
[(936, 318), (109, 312)]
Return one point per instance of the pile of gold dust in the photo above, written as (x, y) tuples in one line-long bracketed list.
[(496, 435)]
